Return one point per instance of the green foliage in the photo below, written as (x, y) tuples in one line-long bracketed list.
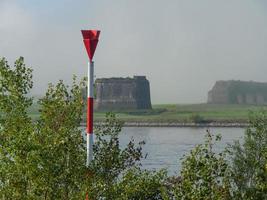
[(155, 111), (249, 161), (115, 172), (203, 174), (238, 173), (61, 151), (141, 185), (15, 130), (43, 159), (196, 118), (110, 160), (14, 85)]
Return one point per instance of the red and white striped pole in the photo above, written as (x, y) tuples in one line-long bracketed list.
[(90, 40), (90, 111)]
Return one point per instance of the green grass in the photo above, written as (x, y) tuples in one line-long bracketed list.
[(178, 113)]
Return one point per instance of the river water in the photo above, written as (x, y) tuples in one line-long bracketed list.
[(165, 147)]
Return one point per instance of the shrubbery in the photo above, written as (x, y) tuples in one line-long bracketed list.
[(249, 161), (196, 118), (46, 159), (42, 159), (204, 173)]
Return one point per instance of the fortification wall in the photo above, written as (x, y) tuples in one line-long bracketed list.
[(238, 92), (122, 93)]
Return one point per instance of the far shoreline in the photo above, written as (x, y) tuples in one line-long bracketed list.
[(181, 124), (178, 115)]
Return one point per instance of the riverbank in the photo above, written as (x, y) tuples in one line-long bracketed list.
[(187, 113), (177, 124), (192, 125), (178, 115)]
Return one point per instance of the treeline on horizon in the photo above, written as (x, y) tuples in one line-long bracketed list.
[(45, 159)]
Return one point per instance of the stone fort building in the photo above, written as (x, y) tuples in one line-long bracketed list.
[(122, 94), (238, 92)]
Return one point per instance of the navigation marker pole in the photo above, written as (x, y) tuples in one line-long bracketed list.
[(90, 40)]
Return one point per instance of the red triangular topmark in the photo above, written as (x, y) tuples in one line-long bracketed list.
[(90, 40)]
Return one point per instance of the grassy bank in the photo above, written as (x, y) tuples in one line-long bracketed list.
[(179, 113)]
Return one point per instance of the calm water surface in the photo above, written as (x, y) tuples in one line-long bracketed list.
[(165, 147)]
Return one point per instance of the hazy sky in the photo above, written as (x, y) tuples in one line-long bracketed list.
[(182, 46)]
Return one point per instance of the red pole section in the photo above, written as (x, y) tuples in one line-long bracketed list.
[(90, 118)]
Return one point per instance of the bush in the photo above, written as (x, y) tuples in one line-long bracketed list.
[(203, 173), (196, 118), (249, 160), (15, 131), (43, 159), (141, 184), (239, 172)]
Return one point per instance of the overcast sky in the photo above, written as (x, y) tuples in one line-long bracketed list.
[(182, 46)]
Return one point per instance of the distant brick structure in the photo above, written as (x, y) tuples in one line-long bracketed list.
[(238, 92), (122, 94)]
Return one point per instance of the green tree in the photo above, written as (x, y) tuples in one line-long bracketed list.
[(60, 147), (43, 159), (249, 161), (204, 173), (16, 130), (137, 184)]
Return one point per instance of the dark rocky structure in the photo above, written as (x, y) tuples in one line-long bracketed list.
[(238, 92), (122, 94)]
